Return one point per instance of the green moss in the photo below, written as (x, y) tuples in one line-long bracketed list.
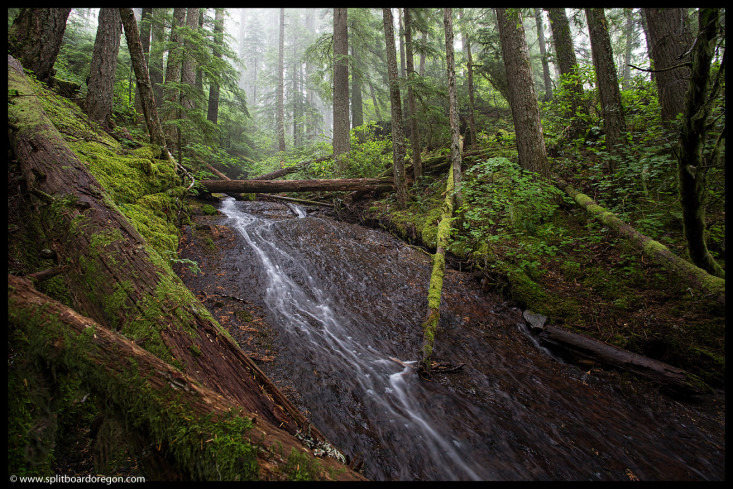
[(209, 210)]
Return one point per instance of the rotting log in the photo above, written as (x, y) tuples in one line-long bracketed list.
[(274, 186), (159, 401), (686, 272), (575, 347), (118, 280)]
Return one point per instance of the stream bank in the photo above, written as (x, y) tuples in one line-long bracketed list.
[(513, 413)]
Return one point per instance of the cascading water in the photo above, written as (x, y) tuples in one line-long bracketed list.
[(348, 304)]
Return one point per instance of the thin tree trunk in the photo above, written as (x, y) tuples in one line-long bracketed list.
[(357, 105), (213, 108), (155, 67), (471, 92), (143, 80), (543, 53), (173, 78), (398, 135), (280, 122), (412, 104), (455, 147)]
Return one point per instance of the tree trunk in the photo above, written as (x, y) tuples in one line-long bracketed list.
[(614, 124), (159, 401), (290, 169), (212, 113), (471, 92), (35, 38), (101, 81), (114, 276), (143, 80), (578, 347), (357, 105), (412, 104), (435, 289), (691, 166), (629, 40), (273, 186), (155, 67), (455, 146), (568, 64), (341, 142), (525, 111), (145, 26), (173, 78), (543, 53), (685, 271), (188, 65), (280, 121), (398, 135), (670, 39)]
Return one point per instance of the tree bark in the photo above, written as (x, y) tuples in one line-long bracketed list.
[(525, 111), (104, 359), (412, 104), (35, 38), (273, 186), (543, 53), (579, 347), (695, 277), (471, 91), (171, 91), (188, 65), (212, 113), (290, 169), (455, 146), (614, 124), (568, 64), (398, 134), (435, 289), (101, 79), (280, 118), (143, 80), (690, 163), (115, 277), (341, 142), (669, 39)]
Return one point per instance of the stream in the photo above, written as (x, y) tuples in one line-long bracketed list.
[(346, 304)]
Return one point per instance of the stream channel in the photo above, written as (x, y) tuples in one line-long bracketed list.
[(345, 304)]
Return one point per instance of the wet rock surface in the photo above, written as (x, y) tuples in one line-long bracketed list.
[(332, 313)]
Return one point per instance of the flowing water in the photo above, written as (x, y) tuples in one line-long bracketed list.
[(347, 303)]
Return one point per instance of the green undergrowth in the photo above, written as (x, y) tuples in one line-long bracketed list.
[(527, 240)]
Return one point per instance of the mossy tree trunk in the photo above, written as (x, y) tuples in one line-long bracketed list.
[(695, 277), (692, 168), (203, 435), (430, 325), (117, 279)]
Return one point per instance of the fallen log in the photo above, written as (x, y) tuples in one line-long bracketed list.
[(274, 186), (158, 400), (575, 347), (683, 270), (117, 279)]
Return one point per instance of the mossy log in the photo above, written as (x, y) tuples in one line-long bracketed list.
[(290, 169), (118, 280), (274, 186), (203, 435), (686, 272), (435, 290)]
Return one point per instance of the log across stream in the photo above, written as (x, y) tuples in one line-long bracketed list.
[(343, 306)]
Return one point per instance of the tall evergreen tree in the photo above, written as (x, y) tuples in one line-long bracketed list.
[(213, 108), (398, 135), (341, 143), (412, 104), (543, 53), (614, 123), (171, 91), (280, 120), (101, 84), (455, 146), (525, 111)]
